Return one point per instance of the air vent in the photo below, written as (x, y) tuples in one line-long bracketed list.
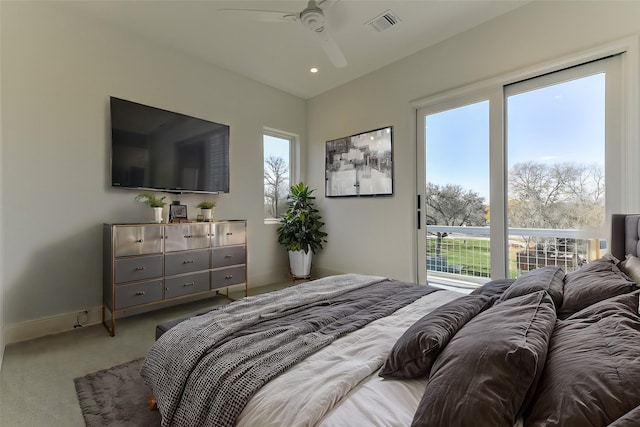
[(384, 21)]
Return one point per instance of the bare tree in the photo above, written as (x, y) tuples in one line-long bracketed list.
[(276, 185), (560, 195), (452, 205)]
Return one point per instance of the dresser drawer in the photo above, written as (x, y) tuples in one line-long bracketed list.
[(138, 268), (228, 255), (138, 293), (228, 276), (185, 285), (228, 233), (180, 237), (137, 240), (186, 262)]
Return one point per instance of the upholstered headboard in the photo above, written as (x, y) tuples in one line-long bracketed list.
[(625, 235)]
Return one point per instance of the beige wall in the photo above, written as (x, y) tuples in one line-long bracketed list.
[(58, 71), (377, 236)]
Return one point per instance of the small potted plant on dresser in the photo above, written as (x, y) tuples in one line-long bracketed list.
[(206, 208), (301, 230), (157, 204)]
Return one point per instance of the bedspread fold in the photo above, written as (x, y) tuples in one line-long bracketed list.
[(204, 370)]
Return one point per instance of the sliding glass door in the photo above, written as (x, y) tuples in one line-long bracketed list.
[(520, 177)]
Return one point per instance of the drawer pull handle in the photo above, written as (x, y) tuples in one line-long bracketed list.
[(188, 284), (139, 293), (188, 262), (188, 236), (139, 268), (228, 276), (229, 233), (228, 256), (139, 241)]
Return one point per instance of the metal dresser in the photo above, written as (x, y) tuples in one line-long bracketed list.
[(148, 266)]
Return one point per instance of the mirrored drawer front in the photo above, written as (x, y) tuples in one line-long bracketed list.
[(137, 240), (185, 285), (228, 276), (231, 255), (229, 233), (186, 262), (138, 293), (138, 268), (182, 237)]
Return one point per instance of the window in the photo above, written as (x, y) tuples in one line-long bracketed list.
[(278, 150), (562, 152), (557, 169)]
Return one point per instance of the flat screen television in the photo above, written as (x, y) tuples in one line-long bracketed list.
[(155, 149)]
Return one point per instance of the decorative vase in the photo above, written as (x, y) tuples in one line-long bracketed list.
[(207, 214), (300, 264), (157, 212)]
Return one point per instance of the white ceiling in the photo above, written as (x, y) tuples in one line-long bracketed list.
[(280, 54)]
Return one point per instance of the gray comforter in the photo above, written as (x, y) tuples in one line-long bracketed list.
[(204, 370)]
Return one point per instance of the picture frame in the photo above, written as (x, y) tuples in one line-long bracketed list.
[(178, 213), (360, 165)]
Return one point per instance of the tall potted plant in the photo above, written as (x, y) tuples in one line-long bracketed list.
[(301, 230)]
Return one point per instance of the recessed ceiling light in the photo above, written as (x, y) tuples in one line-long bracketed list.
[(313, 70)]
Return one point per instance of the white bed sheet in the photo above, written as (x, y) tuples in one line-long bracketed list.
[(340, 386)]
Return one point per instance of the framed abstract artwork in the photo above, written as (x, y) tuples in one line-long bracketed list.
[(360, 164)]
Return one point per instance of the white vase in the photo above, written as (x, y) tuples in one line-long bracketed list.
[(300, 264), (207, 214), (157, 212)]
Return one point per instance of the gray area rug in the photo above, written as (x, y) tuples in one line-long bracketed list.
[(116, 396)]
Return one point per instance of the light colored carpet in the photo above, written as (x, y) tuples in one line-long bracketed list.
[(37, 387), (116, 396)]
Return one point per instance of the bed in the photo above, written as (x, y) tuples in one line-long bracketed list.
[(548, 348)]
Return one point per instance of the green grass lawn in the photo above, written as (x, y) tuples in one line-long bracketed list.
[(474, 255)]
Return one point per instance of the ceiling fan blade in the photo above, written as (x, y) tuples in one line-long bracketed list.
[(331, 48), (260, 15), (326, 4)]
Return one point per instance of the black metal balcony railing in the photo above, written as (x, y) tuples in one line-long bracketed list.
[(464, 252)]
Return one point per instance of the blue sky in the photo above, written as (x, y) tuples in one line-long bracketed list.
[(559, 123), (277, 147)]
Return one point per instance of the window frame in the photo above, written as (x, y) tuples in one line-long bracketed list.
[(294, 169), (494, 90)]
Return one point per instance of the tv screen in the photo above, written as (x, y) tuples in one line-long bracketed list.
[(161, 150)]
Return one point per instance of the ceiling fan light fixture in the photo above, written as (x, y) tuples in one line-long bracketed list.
[(313, 19)]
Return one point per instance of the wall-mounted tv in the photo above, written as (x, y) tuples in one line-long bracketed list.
[(161, 150)]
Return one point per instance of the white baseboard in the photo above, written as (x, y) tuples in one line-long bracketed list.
[(50, 325)]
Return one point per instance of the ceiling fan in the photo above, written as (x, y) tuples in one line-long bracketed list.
[(312, 18)]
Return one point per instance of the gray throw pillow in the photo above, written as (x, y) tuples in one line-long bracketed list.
[(415, 351), (489, 370)]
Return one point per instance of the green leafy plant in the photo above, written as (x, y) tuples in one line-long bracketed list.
[(150, 199), (301, 227), (206, 205)]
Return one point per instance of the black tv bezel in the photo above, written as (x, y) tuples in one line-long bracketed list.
[(164, 189)]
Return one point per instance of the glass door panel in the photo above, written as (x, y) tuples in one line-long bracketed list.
[(456, 195), (558, 168)]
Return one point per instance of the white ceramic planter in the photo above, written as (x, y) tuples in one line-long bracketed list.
[(157, 213), (207, 214), (300, 264)]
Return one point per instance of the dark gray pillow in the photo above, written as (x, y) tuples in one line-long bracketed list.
[(491, 366), (595, 281), (494, 288), (548, 279), (630, 419), (592, 373), (415, 351)]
